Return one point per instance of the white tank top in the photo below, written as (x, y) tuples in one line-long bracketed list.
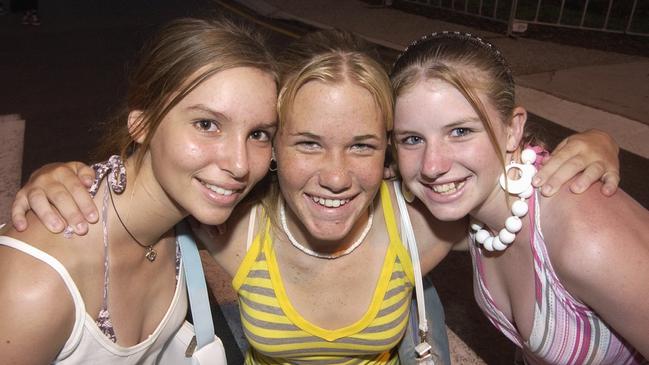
[(87, 344)]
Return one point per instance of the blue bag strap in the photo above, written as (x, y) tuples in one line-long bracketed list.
[(196, 286)]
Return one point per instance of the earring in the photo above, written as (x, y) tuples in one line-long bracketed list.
[(273, 162), (407, 194), (522, 185)]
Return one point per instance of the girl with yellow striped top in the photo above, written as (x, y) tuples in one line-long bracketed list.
[(326, 278)]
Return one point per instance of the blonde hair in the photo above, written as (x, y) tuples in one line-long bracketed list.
[(168, 70), (334, 56), (331, 56)]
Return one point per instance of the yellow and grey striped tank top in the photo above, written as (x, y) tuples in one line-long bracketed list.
[(279, 335)]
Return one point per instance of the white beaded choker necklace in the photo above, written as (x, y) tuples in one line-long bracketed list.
[(299, 246), (521, 187)]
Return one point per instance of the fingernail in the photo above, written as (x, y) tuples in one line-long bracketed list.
[(87, 180), (81, 227), (536, 181), (547, 189), (56, 225), (92, 216)]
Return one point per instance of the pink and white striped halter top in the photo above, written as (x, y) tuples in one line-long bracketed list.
[(565, 330)]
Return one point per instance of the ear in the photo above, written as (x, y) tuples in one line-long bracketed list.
[(516, 128), (135, 126)]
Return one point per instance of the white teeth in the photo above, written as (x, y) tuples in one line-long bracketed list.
[(329, 203), (219, 190), (448, 188)]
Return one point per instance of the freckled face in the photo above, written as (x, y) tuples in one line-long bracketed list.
[(330, 154), (444, 152), (215, 144)]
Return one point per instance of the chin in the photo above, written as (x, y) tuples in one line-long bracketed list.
[(325, 233), (212, 218), (329, 231), (446, 214)]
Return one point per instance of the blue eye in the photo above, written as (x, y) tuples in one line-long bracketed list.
[(460, 132), (411, 140)]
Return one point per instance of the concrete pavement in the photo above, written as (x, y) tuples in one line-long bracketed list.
[(576, 87)]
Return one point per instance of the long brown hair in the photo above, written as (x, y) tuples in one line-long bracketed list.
[(183, 54)]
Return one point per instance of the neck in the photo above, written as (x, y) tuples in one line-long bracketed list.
[(144, 208), (494, 211), (326, 246)]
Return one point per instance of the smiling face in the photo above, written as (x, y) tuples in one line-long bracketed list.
[(215, 144), (330, 152), (445, 155)]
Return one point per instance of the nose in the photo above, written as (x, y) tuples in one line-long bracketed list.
[(234, 158), (335, 174), (437, 161)]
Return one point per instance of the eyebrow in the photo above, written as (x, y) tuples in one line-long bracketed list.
[(219, 115), (267, 125), (363, 137), (463, 121), (205, 109), (454, 124)]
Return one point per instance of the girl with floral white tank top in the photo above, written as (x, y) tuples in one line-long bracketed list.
[(115, 295)]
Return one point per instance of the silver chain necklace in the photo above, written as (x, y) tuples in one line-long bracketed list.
[(299, 246)]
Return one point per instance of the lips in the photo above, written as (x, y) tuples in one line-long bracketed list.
[(220, 190)]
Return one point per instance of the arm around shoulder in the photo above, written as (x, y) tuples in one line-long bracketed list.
[(435, 238), (603, 260), (37, 313), (227, 243)]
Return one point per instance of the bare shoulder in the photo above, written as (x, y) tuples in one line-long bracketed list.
[(589, 235), (435, 238), (30, 280), (599, 248), (38, 312)]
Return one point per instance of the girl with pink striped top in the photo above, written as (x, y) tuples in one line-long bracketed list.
[(564, 277)]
